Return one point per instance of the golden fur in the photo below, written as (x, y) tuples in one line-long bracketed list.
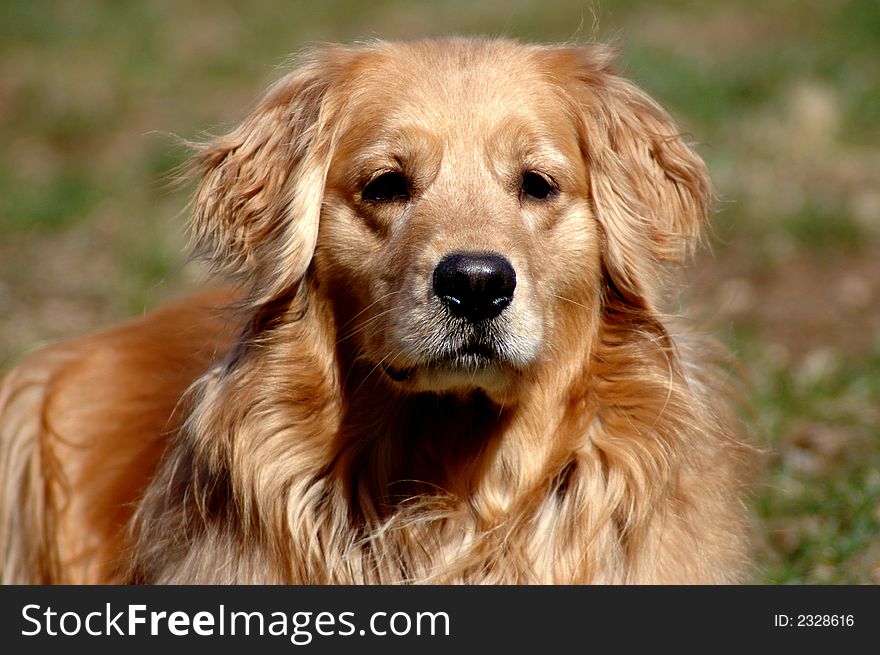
[(332, 420)]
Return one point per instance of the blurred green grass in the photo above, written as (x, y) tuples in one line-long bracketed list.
[(782, 98)]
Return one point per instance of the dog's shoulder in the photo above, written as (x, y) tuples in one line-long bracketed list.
[(83, 423)]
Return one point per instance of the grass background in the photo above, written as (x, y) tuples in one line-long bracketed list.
[(783, 96)]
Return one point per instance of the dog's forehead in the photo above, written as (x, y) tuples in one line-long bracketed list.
[(462, 89), (459, 81)]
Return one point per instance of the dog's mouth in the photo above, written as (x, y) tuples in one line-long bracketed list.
[(469, 360)]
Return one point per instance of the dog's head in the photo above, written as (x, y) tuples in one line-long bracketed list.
[(467, 206)]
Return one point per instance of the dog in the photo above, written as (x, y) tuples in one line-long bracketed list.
[(441, 355)]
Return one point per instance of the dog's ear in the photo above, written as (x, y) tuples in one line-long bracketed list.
[(650, 191), (258, 204)]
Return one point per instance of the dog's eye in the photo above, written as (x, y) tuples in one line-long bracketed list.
[(390, 186), (536, 186)]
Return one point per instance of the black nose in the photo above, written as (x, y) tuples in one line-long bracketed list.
[(475, 286)]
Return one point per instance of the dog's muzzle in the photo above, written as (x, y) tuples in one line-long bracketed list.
[(473, 289)]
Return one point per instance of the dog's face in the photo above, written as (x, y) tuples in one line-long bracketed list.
[(455, 216), (465, 205)]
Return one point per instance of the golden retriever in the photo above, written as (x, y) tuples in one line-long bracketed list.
[(444, 359)]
